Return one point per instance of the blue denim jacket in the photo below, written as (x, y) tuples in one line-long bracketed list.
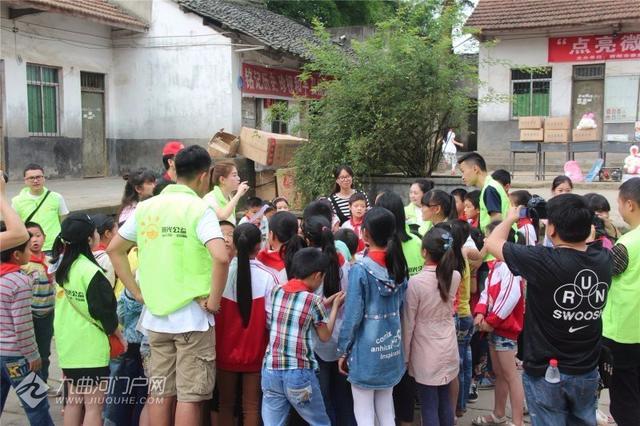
[(371, 333), (129, 310)]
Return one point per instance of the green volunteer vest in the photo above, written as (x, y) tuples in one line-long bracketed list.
[(425, 227), (621, 316), (47, 216), (222, 201), (80, 340), (411, 215), (412, 250), (485, 218), (174, 266)]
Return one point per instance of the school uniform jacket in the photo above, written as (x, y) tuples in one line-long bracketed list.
[(502, 301), (238, 348)]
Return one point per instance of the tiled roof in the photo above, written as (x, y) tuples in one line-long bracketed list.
[(97, 10), (495, 15), (274, 30)]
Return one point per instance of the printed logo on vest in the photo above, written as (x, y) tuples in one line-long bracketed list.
[(150, 228)]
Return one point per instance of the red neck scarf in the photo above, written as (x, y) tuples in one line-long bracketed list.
[(271, 259), (295, 286), (473, 222), (7, 268), (378, 256), (101, 247), (42, 260), (524, 221), (341, 259)]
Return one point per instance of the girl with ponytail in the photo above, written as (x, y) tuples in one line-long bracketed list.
[(140, 185), (283, 242), (429, 334), (437, 207), (370, 342), (241, 327)]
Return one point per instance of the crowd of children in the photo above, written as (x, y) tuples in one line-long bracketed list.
[(350, 313)]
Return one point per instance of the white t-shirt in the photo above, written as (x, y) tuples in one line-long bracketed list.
[(190, 317), (63, 210), (448, 146)]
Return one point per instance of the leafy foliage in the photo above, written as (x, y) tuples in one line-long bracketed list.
[(388, 101), (334, 13)]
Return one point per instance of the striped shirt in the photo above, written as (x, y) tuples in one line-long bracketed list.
[(44, 291), (343, 210), (16, 323), (293, 316)]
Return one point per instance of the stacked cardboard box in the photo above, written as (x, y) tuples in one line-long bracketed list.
[(585, 135), (531, 129), (557, 129)]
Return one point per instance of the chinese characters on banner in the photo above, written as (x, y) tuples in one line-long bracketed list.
[(257, 80), (594, 47)]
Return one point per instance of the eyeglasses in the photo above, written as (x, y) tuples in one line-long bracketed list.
[(34, 178), (344, 177), (431, 205)]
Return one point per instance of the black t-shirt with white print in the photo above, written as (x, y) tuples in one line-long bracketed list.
[(566, 293)]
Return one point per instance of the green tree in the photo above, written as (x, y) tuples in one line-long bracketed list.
[(386, 102), (334, 13)]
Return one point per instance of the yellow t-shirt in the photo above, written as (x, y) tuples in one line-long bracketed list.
[(464, 292)]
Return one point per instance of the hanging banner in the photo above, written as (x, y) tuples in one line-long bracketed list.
[(265, 82), (594, 47)]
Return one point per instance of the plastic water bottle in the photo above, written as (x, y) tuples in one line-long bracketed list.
[(553, 374)]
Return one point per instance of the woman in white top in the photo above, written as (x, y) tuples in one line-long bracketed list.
[(413, 210), (225, 181), (449, 149)]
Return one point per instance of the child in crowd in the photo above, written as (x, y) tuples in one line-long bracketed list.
[(227, 229), (527, 225), (357, 207), (370, 342), (599, 205), (459, 194), (19, 355), (472, 208), (107, 229), (241, 328), (251, 215), (500, 313), (289, 368), (282, 243), (429, 334), (140, 185), (44, 295), (281, 204), (350, 239), (561, 185), (503, 177)]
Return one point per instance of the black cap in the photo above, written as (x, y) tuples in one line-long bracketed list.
[(76, 228)]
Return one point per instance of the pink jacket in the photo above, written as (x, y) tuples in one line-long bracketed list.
[(429, 331)]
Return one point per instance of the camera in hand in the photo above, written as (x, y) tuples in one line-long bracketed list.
[(536, 208)]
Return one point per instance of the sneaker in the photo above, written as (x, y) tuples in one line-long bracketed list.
[(473, 394), (486, 383)]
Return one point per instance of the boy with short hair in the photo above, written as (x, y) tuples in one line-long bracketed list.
[(350, 239), (44, 295), (621, 316), (253, 206), (472, 208), (567, 285), (358, 208), (19, 355), (503, 177), (289, 368)]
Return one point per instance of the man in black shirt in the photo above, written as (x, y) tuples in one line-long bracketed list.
[(567, 286)]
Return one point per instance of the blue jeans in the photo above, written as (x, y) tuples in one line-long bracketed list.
[(570, 402), (464, 327), (299, 388), (435, 406), (336, 391), (33, 398)]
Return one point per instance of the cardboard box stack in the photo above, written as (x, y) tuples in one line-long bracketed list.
[(557, 129), (585, 135), (531, 129), (223, 145)]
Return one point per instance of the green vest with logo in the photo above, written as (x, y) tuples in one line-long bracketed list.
[(621, 316), (174, 266), (222, 202), (412, 250), (47, 215), (80, 340), (485, 217)]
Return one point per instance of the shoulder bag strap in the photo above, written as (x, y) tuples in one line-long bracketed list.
[(33, 213)]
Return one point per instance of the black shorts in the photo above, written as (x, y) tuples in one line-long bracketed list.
[(86, 376)]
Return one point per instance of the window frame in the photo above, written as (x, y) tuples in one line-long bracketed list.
[(41, 84), (530, 80)]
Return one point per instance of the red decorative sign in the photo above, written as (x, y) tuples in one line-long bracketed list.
[(257, 80), (594, 47)]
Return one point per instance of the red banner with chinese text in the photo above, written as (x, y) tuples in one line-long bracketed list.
[(263, 81), (594, 47)]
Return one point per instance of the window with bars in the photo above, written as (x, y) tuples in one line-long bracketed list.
[(531, 92), (42, 100)]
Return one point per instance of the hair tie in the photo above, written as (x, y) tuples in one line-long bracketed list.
[(324, 228), (448, 240)]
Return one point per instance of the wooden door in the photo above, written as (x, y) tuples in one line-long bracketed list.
[(588, 94), (94, 150)]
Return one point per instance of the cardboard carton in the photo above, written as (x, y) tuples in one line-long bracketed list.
[(586, 135), (531, 135), (223, 145), (287, 187), (270, 149), (266, 185), (557, 123), (533, 122), (556, 135)]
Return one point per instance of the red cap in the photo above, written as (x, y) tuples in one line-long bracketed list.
[(172, 148), (553, 362)]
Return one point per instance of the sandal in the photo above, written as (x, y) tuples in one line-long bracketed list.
[(490, 420)]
